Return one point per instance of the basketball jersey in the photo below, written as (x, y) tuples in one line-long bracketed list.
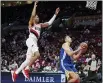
[(35, 31), (65, 59)]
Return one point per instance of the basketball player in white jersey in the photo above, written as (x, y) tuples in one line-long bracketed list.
[(31, 42)]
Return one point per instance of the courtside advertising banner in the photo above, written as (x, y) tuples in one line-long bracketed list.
[(35, 78)]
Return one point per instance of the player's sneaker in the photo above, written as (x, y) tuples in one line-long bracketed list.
[(26, 73), (14, 76)]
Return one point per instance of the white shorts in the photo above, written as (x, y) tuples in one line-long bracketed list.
[(32, 46)]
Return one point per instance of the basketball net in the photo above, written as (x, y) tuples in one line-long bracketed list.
[(91, 5)]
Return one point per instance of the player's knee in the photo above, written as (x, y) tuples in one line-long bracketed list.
[(37, 54), (77, 79)]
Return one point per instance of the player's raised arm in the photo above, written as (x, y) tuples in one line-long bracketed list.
[(68, 51), (33, 14), (43, 25)]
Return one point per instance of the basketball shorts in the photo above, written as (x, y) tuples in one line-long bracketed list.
[(66, 67), (32, 46)]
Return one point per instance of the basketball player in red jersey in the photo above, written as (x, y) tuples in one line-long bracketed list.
[(31, 42)]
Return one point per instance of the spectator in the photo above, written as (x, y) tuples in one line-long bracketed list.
[(4, 69), (15, 65), (47, 68), (92, 73), (88, 58)]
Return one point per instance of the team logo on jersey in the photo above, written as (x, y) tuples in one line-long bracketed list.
[(37, 28)]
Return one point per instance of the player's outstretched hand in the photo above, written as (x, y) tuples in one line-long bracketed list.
[(57, 11), (36, 3)]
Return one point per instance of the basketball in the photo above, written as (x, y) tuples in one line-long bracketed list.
[(84, 46)]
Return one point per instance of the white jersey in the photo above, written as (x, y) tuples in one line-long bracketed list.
[(31, 42), (35, 31)]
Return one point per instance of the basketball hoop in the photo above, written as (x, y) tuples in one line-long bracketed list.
[(91, 5)]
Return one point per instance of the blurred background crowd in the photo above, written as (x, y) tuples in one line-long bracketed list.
[(80, 23)]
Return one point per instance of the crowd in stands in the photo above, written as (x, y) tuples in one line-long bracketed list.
[(14, 47)]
